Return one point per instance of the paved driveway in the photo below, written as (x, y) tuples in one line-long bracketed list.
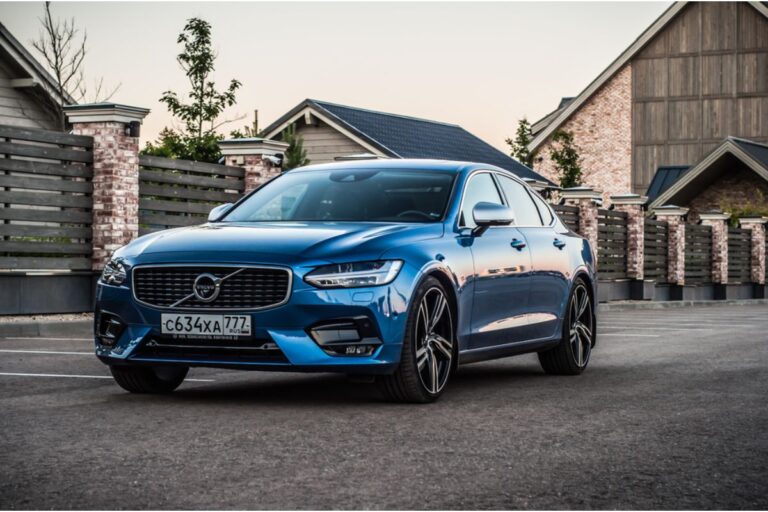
[(671, 414)]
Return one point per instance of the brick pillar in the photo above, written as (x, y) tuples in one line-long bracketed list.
[(719, 223), (115, 132), (259, 157), (757, 226), (632, 205), (674, 216), (587, 200)]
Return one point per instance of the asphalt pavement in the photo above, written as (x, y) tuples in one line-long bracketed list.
[(671, 414)]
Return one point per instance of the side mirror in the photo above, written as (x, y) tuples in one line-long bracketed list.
[(219, 211), (491, 214)]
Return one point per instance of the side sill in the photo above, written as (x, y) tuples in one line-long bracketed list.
[(511, 349)]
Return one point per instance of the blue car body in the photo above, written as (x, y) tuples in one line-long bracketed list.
[(509, 299)]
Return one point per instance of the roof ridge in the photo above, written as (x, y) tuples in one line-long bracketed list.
[(747, 141), (390, 114)]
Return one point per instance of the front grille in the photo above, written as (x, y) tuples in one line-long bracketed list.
[(247, 350), (252, 288)]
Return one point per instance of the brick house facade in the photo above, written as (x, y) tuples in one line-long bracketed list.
[(696, 76)]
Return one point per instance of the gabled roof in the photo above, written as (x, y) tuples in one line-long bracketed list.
[(751, 154), (562, 115), (399, 136), (31, 67), (665, 177)]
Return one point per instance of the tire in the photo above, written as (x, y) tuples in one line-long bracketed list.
[(571, 355), (429, 348), (149, 379)]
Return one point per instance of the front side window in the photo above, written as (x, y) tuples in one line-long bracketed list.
[(480, 189), (352, 195), (520, 201)]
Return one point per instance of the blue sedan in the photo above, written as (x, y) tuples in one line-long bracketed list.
[(396, 271)]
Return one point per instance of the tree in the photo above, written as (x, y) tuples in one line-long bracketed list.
[(200, 116), (566, 157), (295, 154), (64, 51), (519, 144)]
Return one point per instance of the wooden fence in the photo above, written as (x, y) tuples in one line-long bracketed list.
[(45, 200), (569, 215), (611, 244), (739, 255), (656, 244), (175, 193), (698, 254)]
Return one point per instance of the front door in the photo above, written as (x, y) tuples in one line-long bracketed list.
[(501, 278)]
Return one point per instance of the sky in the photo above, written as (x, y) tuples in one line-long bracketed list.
[(480, 65)]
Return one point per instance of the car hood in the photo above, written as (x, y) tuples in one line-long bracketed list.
[(277, 242)]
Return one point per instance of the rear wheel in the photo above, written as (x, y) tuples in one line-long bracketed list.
[(571, 355), (429, 348), (149, 379)]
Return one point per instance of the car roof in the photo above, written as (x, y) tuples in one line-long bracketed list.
[(404, 163)]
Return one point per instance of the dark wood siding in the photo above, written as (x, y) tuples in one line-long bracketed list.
[(701, 79)]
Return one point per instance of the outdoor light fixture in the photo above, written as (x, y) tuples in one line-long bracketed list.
[(355, 275), (114, 272)]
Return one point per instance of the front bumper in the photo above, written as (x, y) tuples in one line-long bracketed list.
[(285, 326)]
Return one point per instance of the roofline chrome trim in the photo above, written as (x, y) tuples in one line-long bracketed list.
[(288, 294)]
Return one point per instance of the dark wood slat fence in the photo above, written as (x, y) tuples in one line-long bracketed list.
[(739, 255), (656, 243), (611, 244), (174, 193), (45, 200), (698, 254), (569, 215)]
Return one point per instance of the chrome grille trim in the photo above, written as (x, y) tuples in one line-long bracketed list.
[(208, 267)]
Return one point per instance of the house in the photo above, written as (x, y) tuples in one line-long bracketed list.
[(682, 93), (338, 132), (732, 177), (29, 97)]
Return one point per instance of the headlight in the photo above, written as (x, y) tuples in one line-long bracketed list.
[(354, 275), (114, 272)]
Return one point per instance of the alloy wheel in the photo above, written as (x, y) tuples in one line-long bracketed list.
[(434, 340), (582, 326)]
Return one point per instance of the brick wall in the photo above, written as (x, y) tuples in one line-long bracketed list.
[(602, 129), (740, 187)]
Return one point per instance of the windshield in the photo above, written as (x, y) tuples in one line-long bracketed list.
[(361, 195)]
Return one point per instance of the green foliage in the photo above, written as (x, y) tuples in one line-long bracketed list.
[(565, 155), (198, 140), (749, 208), (295, 155), (173, 144), (519, 145)]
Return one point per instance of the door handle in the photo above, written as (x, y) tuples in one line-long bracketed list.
[(518, 244), (558, 243)]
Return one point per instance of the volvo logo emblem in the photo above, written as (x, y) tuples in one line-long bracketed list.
[(206, 287)]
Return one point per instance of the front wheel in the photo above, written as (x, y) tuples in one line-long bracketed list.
[(429, 348), (571, 355), (149, 379)]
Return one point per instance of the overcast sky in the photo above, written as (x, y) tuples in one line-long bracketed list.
[(480, 65)]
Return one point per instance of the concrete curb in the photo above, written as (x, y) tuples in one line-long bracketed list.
[(670, 304), (48, 328)]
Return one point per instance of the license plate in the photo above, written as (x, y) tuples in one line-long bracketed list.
[(205, 326)]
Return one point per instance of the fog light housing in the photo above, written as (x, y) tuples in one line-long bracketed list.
[(346, 337), (109, 329)]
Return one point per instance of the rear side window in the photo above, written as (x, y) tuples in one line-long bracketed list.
[(526, 213), (546, 213)]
